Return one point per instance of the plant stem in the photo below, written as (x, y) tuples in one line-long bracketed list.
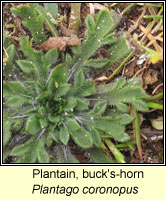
[(128, 7), (118, 155), (153, 16), (155, 98), (74, 21), (121, 65), (155, 105), (136, 123), (154, 5), (126, 144)]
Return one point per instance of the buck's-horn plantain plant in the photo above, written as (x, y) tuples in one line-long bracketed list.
[(56, 103)]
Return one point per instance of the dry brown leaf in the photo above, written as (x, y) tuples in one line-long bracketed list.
[(102, 78), (58, 42), (98, 6), (67, 32), (74, 20), (150, 77), (105, 52), (7, 56)]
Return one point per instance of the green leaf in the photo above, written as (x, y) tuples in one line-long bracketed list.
[(17, 125), (120, 83), (43, 122), (44, 95), (46, 18), (123, 107), (51, 56), (68, 61), (43, 156), (118, 50), (6, 132), (96, 63), (95, 137), (25, 66), (79, 79), (62, 90), (13, 87), (122, 92), (59, 74), (104, 24), (111, 126), (17, 101), (64, 155), (33, 21), (11, 50), (64, 135), (52, 8), (82, 105), (72, 125), (99, 108), (126, 119), (82, 137), (90, 24), (86, 90), (32, 125), (21, 149), (51, 85), (98, 156), (109, 39), (53, 119), (70, 105), (29, 151), (55, 136), (140, 105)]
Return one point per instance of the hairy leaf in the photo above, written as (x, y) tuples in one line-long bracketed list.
[(82, 105), (52, 8), (86, 90), (64, 135), (123, 92), (32, 125), (63, 89), (17, 101), (13, 88), (99, 108), (82, 137), (98, 156), (59, 74), (104, 24), (6, 132), (26, 66), (51, 56), (73, 125)]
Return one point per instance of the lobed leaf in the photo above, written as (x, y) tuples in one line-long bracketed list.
[(33, 21)]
